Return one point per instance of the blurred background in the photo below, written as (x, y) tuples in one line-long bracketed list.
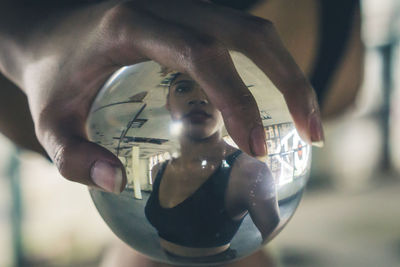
[(349, 215)]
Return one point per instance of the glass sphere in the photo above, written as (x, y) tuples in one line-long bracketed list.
[(192, 197)]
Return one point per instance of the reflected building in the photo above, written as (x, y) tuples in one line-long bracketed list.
[(288, 159), (131, 119)]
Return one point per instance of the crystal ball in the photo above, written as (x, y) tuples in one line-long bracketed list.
[(192, 196)]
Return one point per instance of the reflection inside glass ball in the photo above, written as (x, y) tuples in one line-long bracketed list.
[(193, 197)]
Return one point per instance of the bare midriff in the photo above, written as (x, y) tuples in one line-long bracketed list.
[(190, 251)]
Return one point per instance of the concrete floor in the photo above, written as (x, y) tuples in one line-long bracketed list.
[(332, 228)]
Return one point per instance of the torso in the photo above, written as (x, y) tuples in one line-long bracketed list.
[(181, 181), (177, 187)]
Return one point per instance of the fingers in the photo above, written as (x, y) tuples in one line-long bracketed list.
[(218, 77), (208, 62), (270, 55), (76, 158), (257, 39)]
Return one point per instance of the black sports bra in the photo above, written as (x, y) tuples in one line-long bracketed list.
[(201, 220)]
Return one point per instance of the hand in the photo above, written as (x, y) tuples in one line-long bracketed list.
[(68, 53)]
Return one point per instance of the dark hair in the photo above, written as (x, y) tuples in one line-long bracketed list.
[(173, 78), (169, 77)]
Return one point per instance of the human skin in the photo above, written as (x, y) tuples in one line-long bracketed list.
[(61, 55), (201, 142), (185, 96)]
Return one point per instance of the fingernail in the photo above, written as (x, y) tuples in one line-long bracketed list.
[(317, 133), (263, 158), (257, 141), (107, 176), (318, 144)]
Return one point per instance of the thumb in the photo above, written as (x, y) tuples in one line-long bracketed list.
[(80, 160)]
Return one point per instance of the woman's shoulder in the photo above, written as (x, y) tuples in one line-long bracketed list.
[(155, 170), (248, 168), (245, 160)]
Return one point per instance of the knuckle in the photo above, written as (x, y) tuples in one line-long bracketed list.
[(260, 25), (198, 49), (64, 160), (116, 21), (43, 128), (297, 85), (59, 159), (112, 18), (52, 131), (117, 13), (242, 105), (258, 28)]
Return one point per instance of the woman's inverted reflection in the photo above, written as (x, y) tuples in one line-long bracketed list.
[(200, 198)]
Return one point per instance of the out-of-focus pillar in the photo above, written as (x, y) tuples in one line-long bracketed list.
[(135, 172)]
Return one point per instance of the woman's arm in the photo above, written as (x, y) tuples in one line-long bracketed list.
[(256, 192), (262, 201)]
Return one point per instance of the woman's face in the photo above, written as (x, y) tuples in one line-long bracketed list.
[(188, 104)]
